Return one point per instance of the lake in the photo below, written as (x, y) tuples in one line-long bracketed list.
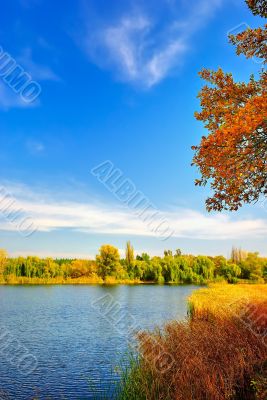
[(71, 338)]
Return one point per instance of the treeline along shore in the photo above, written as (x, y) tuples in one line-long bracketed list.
[(108, 267)]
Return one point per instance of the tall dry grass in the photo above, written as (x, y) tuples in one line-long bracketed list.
[(212, 356), (221, 299)]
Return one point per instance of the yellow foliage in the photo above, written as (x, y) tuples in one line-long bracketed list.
[(84, 280), (220, 299)]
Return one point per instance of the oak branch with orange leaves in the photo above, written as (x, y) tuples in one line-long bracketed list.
[(233, 156)]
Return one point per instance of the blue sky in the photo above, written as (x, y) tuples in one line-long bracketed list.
[(118, 82)]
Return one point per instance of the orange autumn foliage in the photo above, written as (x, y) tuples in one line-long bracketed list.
[(233, 156)]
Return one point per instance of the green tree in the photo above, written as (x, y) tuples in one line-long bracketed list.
[(178, 252), (108, 261), (204, 266), (167, 253), (238, 255), (252, 267), (230, 271), (80, 268), (138, 270), (3, 259), (129, 255), (153, 271), (144, 257)]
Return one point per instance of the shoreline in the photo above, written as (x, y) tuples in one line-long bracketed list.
[(89, 283), (221, 316), (110, 281)]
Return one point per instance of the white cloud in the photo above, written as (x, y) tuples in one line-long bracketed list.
[(10, 99), (53, 254), (49, 214), (120, 42), (62, 254), (140, 50), (38, 72)]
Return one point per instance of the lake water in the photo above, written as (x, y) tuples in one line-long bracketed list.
[(74, 336)]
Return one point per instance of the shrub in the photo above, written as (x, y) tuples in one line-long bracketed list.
[(213, 356)]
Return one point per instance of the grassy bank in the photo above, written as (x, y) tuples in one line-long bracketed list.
[(91, 280), (221, 299), (218, 353)]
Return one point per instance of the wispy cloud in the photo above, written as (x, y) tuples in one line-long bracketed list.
[(38, 71), (53, 254), (143, 50), (35, 147), (9, 99), (50, 214)]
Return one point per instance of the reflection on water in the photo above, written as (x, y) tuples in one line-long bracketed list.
[(77, 346)]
